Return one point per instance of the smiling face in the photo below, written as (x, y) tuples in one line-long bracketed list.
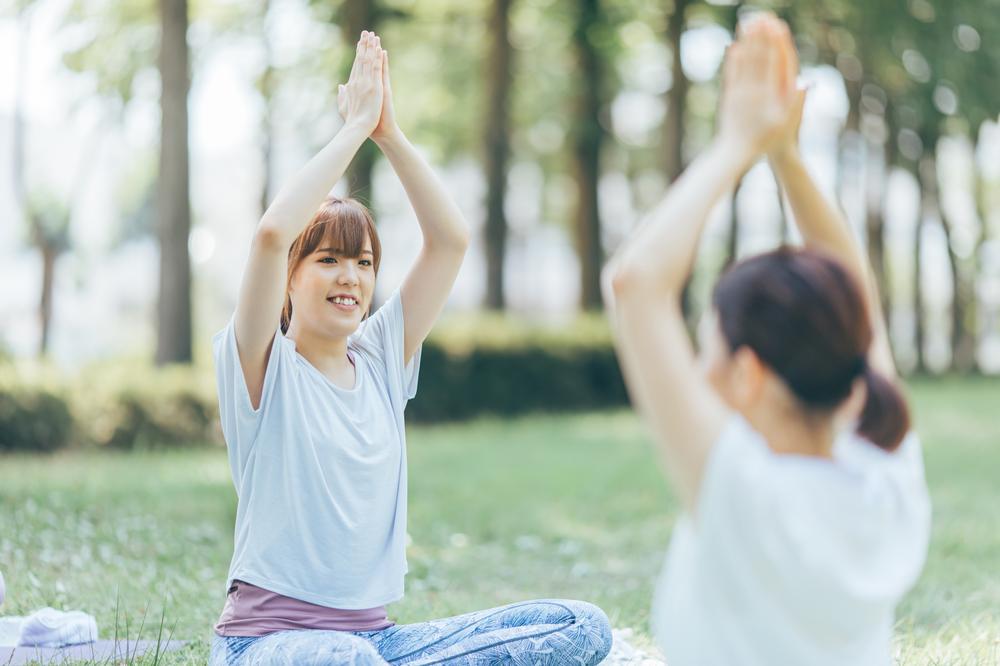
[(331, 270), (332, 291)]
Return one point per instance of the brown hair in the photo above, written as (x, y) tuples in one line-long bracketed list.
[(340, 223), (804, 316)]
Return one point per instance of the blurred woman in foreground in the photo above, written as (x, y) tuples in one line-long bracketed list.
[(806, 515)]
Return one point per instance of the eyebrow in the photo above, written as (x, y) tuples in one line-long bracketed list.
[(334, 250)]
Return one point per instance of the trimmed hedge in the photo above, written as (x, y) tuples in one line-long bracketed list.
[(34, 420), (469, 367), (493, 364)]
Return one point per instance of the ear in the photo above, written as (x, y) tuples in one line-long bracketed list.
[(749, 376)]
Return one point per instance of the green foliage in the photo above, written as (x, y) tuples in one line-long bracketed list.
[(33, 420), (499, 365), (121, 406), (140, 407), (471, 366)]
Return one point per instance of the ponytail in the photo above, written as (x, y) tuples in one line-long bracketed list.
[(885, 419)]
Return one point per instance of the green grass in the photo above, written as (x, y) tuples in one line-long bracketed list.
[(555, 506)]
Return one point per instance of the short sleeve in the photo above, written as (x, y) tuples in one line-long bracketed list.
[(381, 337), (240, 421)]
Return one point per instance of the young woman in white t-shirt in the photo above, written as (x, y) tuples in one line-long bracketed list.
[(805, 511), (312, 392)]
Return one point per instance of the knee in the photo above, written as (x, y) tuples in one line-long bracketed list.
[(595, 629)]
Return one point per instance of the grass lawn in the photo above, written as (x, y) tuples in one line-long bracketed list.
[(554, 506)]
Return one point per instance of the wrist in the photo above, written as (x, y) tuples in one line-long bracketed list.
[(736, 150), (388, 138), (784, 156), (356, 130)]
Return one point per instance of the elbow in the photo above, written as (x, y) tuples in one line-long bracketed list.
[(619, 279), (623, 282), (461, 239), (455, 242), (271, 236)]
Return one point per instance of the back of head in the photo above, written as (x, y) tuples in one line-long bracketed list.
[(804, 317)]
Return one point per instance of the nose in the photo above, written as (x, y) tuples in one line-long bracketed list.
[(348, 273)]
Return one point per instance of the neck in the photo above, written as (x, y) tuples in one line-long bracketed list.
[(795, 434), (324, 352)]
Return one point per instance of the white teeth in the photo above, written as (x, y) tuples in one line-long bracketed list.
[(341, 300)]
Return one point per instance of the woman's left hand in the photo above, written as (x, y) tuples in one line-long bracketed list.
[(387, 122)]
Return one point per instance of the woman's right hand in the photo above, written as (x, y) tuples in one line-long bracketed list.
[(759, 96), (359, 101)]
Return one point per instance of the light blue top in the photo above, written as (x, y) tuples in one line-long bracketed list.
[(320, 470)]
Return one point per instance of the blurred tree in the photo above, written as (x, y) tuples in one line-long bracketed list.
[(46, 214), (497, 149), (587, 136), (676, 95), (49, 217), (173, 332), (355, 16), (120, 44)]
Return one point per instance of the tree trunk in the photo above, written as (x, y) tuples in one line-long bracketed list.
[(929, 207), (358, 15), (963, 336), (588, 135), (497, 140), (173, 340), (673, 135), (49, 256), (733, 238)]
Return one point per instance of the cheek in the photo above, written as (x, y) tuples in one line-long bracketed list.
[(306, 282), (368, 283)]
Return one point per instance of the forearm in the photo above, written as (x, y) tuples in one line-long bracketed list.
[(660, 255), (823, 227), (818, 219), (441, 222), (297, 201)]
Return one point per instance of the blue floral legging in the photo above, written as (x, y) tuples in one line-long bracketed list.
[(536, 633)]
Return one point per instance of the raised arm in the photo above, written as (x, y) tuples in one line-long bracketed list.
[(445, 232), (647, 275), (262, 290), (824, 227)]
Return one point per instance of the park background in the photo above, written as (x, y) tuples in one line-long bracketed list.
[(556, 124)]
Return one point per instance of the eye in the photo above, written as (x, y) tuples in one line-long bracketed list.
[(365, 262), (328, 260)]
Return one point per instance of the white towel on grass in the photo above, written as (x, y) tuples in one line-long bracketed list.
[(49, 627)]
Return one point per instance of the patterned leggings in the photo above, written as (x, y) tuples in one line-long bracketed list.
[(536, 633)]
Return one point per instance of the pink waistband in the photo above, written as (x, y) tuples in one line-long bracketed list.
[(254, 611)]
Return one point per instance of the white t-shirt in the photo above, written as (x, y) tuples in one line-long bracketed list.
[(794, 559), (320, 470)]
